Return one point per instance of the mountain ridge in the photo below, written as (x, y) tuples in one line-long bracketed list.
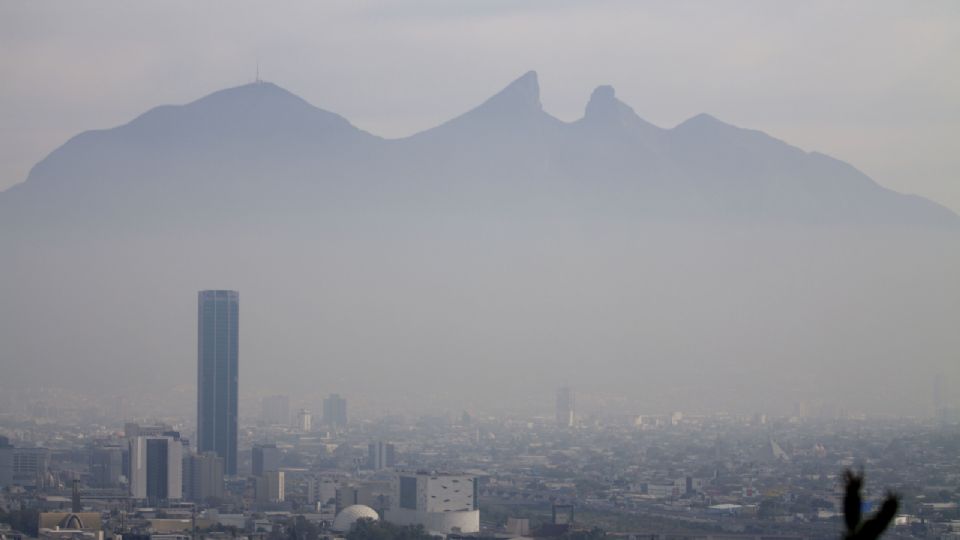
[(702, 166)]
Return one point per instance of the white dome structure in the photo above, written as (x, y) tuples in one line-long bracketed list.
[(349, 515)]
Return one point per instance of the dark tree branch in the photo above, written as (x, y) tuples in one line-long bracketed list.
[(873, 527)]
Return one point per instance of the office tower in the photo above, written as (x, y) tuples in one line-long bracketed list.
[(304, 420), (270, 487), (441, 502), (275, 410), (75, 504), (155, 469), (380, 455), (217, 375), (132, 430), (565, 407), (31, 467), (265, 457), (6, 462), (106, 466), (335, 411), (203, 476)]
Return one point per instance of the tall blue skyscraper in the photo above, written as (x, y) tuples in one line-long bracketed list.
[(335, 412), (217, 375)]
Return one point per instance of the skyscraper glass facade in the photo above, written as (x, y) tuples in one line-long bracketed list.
[(335, 411), (217, 375)]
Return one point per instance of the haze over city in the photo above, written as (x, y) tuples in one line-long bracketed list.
[(653, 261), (545, 295)]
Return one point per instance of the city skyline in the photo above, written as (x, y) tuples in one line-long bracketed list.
[(539, 270)]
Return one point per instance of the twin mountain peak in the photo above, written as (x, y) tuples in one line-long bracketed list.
[(506, 152), (519, 100)]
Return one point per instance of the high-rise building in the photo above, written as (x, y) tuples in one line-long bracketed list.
[(6, 462), (270, 487), (441, 502), (217, 375), (304, 420), (275, 410), (335, 411), (31, 466), (203, 476), (565, 407), (381, 455), (264, 458), (155, 468), (106, 466), (132, 430), (347, 495)]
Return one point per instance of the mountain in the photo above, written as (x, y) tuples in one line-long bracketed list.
[(260, 143), (502, 253), (231, 146)]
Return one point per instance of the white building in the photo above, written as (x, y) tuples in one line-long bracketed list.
[(347, 517), (305, 421), (155, 468), (443, 503), (381, 455)]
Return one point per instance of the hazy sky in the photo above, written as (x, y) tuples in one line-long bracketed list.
[(874, 83)]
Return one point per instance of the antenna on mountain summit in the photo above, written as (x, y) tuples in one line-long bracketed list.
[(257, 80)]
